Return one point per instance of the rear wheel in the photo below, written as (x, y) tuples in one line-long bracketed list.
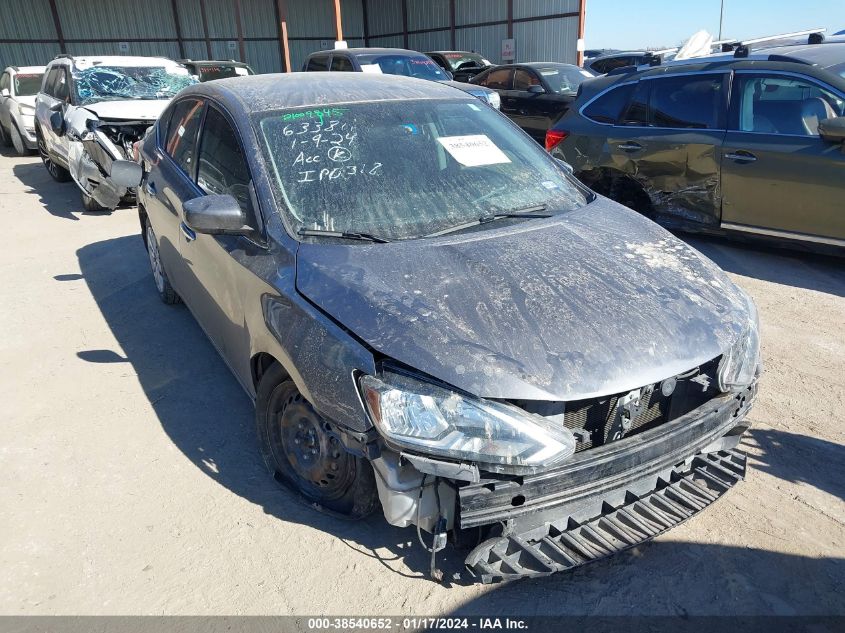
[(302, 451), (165, 291), (59, 173)]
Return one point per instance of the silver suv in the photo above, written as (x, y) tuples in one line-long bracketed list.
[(90, 112), (18, 87)]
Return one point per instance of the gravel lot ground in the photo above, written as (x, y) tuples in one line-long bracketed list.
[(133, 482)]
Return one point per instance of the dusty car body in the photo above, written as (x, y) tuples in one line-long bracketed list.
[(18, 87), (745, 146), (560, 376), (90, 112)]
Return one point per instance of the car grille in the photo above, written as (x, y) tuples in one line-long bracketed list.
[(598, 418)]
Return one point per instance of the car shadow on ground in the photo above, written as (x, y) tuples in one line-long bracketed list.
[(823, 273), (210, 420)]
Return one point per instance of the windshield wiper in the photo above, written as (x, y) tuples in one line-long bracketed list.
[(346, 235), (534, 211)]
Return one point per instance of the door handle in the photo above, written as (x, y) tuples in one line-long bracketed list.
[(188, 232), (150, 188), (629, 147), (741, 156)]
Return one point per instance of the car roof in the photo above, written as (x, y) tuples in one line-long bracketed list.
[(822, 55), (447, 52), (368, 51), (261, 93), (723, 62), (219, 62)]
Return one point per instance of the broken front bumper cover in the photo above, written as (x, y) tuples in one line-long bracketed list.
[(638, 520), (607, 499)]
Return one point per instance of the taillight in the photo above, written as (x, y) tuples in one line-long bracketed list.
[(553, 137)]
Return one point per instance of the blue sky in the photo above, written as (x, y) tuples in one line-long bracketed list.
[(641, 23)]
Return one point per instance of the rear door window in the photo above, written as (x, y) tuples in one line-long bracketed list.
[(318, 63), (637, 111), (182, 133), (499, 79), (523, 79), (689, 102), (608, 107), (341, 64)]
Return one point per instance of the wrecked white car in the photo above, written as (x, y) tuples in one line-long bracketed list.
[(90, 112)]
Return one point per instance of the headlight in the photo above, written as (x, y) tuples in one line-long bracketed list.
[(494, 99), (422, 417), (741, 364)]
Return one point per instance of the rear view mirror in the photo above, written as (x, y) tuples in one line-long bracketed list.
[(57, 123), (833, 130), (536, 89), (126, 173), (216, 215)]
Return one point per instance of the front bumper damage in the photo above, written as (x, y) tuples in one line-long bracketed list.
[(607, 499)]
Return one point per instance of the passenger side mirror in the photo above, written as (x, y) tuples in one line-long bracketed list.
[(5, 93), (126, 173), (536, 89), (216, 215), (57, 123), (833, 130)]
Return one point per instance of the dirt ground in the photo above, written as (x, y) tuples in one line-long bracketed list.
[(132, 482)]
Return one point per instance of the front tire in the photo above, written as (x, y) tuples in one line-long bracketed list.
[(165, 291), (18, 142), (302, 451), (59, 173), (5, 141), (91, 205)]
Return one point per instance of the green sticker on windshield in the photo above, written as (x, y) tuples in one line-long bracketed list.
[(321, 114)]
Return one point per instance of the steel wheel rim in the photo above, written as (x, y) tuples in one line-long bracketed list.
[(303, 445), (155, 260)]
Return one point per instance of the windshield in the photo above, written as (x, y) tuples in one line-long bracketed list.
[(27, 84), (564, 79), (109, 83), (465, 60), (209, 72), (418, 66), (406, 169)]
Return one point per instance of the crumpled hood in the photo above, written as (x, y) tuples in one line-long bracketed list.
[(594, 302), (129, 109)]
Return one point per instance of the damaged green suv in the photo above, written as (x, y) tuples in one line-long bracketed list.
[(732, 144)]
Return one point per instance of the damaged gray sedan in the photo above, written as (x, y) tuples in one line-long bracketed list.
[(90, 112), (434, 319)]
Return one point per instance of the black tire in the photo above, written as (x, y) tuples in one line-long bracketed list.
[(17, 141), (5, 141), (303, 453), (59, 173), (165, 291), (91, 205)]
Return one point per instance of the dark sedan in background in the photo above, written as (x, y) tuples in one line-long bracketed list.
[(534, 95), (211, 69), (462, 65), (392, 61)]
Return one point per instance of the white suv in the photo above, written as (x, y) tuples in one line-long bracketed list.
[(18, 87), (90, 112)]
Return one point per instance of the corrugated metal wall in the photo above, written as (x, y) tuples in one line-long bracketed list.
[(28, 34)]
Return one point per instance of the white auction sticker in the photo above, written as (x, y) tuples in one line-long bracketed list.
[(473, 151), (373, 69)]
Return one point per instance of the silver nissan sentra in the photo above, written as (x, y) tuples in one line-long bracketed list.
[(436, 320)]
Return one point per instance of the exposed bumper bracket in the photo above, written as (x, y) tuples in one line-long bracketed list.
[(690, 489)]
